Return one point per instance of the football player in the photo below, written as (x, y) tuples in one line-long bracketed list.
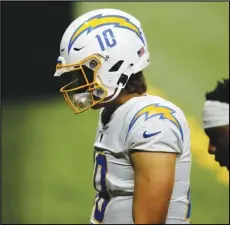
[(142, 146), (216, 122)]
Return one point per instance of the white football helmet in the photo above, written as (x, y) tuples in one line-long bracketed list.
[(102, 49)]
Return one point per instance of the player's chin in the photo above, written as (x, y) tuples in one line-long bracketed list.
[(223, 162), (97, 106)]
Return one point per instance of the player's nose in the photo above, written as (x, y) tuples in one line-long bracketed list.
[(211, 149)]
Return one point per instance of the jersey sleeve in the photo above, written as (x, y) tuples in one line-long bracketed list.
[(155, 133)]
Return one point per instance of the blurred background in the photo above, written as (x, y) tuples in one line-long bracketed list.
[(47, 151)]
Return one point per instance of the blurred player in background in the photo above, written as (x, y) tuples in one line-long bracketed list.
[(142, 147), (216, 122)]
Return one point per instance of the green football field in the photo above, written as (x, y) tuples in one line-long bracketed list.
[(47, 150)]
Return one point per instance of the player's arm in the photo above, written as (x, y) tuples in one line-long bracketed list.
[(154, 179), (153, 146)]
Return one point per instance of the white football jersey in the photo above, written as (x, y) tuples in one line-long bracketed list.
[(147, 123)]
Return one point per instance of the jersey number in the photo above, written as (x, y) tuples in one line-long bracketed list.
[(100, 185), (108, 37)]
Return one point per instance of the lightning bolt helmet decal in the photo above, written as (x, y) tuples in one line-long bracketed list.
[(99, 21)]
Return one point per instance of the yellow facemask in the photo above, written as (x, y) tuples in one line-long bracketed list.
[(85, 90)]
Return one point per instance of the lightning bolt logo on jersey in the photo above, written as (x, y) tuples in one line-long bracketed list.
[(99, 21), (162, 112)]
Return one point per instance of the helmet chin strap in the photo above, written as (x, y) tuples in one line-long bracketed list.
[(120, 86), (83, 99)]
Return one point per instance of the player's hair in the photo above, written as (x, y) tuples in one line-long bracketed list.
[(220, 93), (136, 84)]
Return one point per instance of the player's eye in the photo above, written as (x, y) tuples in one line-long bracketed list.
[(89, 73)]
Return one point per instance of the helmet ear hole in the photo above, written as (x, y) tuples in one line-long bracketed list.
[(116, 66)]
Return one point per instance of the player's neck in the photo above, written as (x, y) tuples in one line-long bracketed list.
[(111, 108), (123, 98)]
